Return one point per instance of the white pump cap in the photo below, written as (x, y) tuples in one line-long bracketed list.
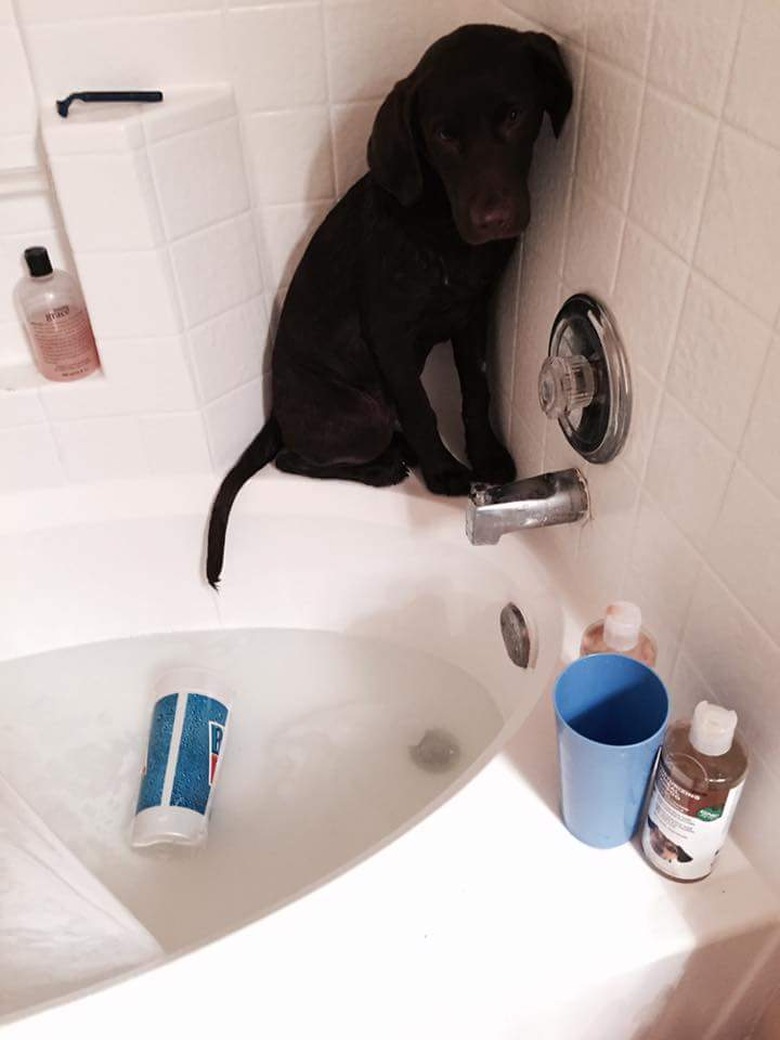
[(712, 728), (622, 624)]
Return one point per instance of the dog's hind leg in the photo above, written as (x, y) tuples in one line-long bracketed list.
[(335, 431), (388, 468)]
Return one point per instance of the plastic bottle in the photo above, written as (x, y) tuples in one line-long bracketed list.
[(620, 632), (61, 336), (700, 775)]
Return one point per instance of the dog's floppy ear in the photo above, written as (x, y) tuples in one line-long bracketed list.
[(392, 153), (553, 76)]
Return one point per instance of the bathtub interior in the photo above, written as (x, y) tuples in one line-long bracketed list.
[(318, 765), (347, 640), (61, 927)]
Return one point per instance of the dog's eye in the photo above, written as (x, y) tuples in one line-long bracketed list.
[(512, 116), (445, 134)]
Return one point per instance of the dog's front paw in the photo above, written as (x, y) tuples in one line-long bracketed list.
[(493, 465), (452, 479)]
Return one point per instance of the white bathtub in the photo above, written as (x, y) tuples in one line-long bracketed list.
[(456, 903)]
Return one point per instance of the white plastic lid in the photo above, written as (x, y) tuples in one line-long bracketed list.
[(168, 824), (622, 625), (712, 728)]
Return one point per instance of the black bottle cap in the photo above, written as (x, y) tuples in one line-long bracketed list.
[(38, 261)]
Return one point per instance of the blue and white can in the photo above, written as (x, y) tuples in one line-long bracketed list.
[(183, 757)]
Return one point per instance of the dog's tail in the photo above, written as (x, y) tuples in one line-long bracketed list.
[(259, 453)]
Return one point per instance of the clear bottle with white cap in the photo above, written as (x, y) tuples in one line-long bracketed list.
[(700, 775), (620, 632)]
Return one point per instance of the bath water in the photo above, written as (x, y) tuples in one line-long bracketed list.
[(320, 763)]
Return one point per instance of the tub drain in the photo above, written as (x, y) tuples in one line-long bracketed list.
[(436, 752)]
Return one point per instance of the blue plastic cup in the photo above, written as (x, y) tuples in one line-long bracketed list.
[(611, 714)]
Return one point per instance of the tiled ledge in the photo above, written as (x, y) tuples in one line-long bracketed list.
[(156, 206)]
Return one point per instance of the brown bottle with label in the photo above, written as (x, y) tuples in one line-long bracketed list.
[(700, 775)]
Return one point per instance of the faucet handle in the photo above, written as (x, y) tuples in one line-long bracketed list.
[(566, 384), (585, 383)]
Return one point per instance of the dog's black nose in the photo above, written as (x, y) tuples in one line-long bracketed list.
[(492, 216)]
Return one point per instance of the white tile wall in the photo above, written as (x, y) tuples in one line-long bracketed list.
[(611, 108), (288, 230), (739, 241), (759, 447), (277, 56), (670, 216), (287, 164), (231, 349), (200, 178), (157, 208), (649, 319), (693, 47), (689, 485), (755, 80), (673, 223), (619, 30), (233, 419), (175, 443), (358, 68), (351, 128), (129, 53), (593, 245), (672, 163), (29, 458), (95, 222), (19, 117), (96, 449), (129, 294), (713, 379)]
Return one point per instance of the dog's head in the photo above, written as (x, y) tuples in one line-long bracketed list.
[(470, 111)]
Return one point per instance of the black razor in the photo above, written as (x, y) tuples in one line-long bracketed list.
[(107, 95)]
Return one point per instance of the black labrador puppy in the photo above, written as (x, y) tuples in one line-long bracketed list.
[(407, 259)]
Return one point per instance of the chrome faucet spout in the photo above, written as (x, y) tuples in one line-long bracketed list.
[(542, 501)]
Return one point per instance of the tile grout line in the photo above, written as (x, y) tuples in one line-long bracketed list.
[(736, 603), (185, 14), (567, 217), (329, 99), (560, 264), (255, 210), (264, 371), (704, 566), (624, 211), (569, 207), (648, 233), (176, 287), (662, 379), (703, 561), (514, 326)]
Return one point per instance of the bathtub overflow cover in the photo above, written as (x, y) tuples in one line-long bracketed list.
[(516, 635)]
